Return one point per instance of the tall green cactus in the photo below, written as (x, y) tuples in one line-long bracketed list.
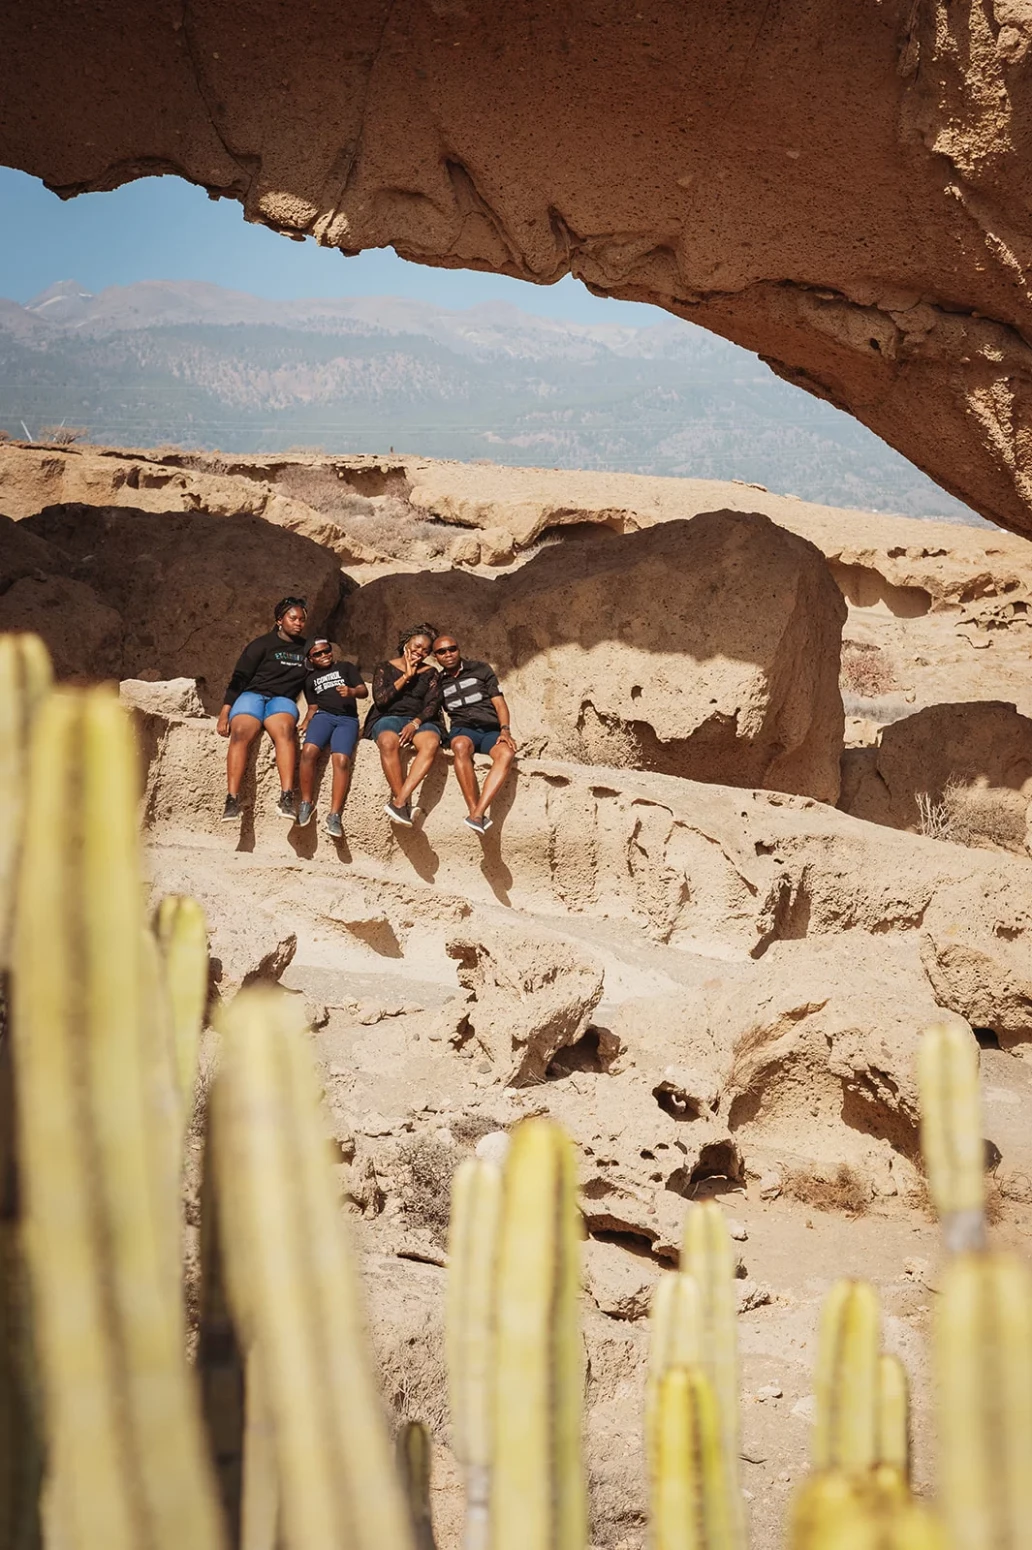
[(25, 677), (893, 1425), (538, 1499), (951, 1133), (707, 1255), (675, 1340), (101, 1195), (469, 1327), (983, 1348), (182, 934), (845, 1432), (294, 1286), (692, 1503)]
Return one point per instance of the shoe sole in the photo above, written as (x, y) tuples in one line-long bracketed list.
[(232, 817), (406, 823), (303, 823), (333, 833), (475, 827), (290, 817)]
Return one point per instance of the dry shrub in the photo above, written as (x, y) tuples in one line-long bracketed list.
[(866, 670), (974, 815), (846, 1190), (61, 435), (426, 1167), (471, 1128)]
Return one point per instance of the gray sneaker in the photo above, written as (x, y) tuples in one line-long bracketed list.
[(232, 810), (304, 813), (402, 815), (478, 825), (334, 827), (285, 806)]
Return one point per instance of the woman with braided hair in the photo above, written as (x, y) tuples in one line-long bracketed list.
[(406, 710)]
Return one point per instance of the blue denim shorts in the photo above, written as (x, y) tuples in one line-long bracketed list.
[(262, 705), (482, 738), (396, 723), (341, 732)]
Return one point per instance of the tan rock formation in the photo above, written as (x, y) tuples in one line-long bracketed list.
[(707, 649), (710, 183)]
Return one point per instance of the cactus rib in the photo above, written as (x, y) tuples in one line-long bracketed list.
[(893, 1427), (472, 1255), (692, 1505), (182, 934), (707, 1256), (674, 1341), (951, 1132), (846, 1382), (414, 1458)]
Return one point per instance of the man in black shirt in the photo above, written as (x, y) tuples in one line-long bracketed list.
[(331, 717), (478, 720), (263, 692)]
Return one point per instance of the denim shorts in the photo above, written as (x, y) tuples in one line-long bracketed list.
[(396, 723), (262, 705), (482, 738), (341, 732)]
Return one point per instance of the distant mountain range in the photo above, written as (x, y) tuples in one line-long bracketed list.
[(199, 366)]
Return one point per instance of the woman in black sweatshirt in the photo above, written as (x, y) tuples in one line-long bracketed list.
[(263, 691), (406, 709)]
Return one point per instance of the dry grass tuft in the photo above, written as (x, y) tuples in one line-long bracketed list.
[(845, 1190), (426, 1167), (470, 1128), (61, 435), (974, 815), (866, 670)]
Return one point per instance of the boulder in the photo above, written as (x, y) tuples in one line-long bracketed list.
[(83, 634), (526, 997), (706, 649), (191, 589), (170, 698), (972, 761)]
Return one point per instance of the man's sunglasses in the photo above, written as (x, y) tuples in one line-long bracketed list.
[(445, 651)]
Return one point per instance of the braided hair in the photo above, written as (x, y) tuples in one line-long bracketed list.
[(429, 630)]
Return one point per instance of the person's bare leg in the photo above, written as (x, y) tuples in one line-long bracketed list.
[(426, 745), (341, 764), (242, 732), (502, 757), (462, 760), (282, 728), (309, 759), (390, 761)]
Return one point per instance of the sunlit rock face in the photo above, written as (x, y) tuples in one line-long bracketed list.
[(843, 188)]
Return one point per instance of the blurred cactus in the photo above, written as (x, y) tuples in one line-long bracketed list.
[(951, 1133), (845, 1433), (220, 1363), (414, 1458), (469, 1332), (674, 1341), (983, 1348), (708, 1257), (25, 677), (294, 1287), (182, 934), (842, 1510), (100, 1195), (892, 1449), (538, 1497), (692, 1499)]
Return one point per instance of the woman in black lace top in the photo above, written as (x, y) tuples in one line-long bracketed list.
[(406, 710)]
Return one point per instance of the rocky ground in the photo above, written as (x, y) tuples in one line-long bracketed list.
[(671, 939)]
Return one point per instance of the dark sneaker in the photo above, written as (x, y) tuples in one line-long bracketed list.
[(232, 810), (304, 813), (285, 806), (478, 825), (334, 827), (402, 815)]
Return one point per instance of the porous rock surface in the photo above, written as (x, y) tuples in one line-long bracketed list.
[(845, 193), (707, 649)]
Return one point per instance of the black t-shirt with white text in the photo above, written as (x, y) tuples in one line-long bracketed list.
[(467, 694), (270, 665), (321, 688)]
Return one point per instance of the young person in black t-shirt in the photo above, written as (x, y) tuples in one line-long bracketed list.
[(478, 721), (263, 692), (331, 691), (406, 709)]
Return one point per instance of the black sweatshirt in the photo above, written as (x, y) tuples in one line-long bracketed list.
[(322, 686), (269, 665)]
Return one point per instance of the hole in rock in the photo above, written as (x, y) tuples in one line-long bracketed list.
[(987, 1038), (582, 1056), (719, 1162), (636, 691), (678, 1105), (865, 587), (633, 1242)]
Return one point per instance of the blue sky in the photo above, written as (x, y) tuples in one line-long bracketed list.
[(165, 229)]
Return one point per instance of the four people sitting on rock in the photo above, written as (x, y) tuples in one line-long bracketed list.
[(410, 693)]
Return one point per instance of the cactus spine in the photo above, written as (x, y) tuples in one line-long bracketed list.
[(845, 1429), (472, 1256), (951, 1133), (538, 1497), (893, 1427), (708, 1257), (692, 1503), (414, 1458), (983, 1343), (294, 1288), (182, 934), (101, 1196), (674, 1341)]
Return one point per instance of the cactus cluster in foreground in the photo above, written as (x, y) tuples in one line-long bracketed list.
[(275, 1439)]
